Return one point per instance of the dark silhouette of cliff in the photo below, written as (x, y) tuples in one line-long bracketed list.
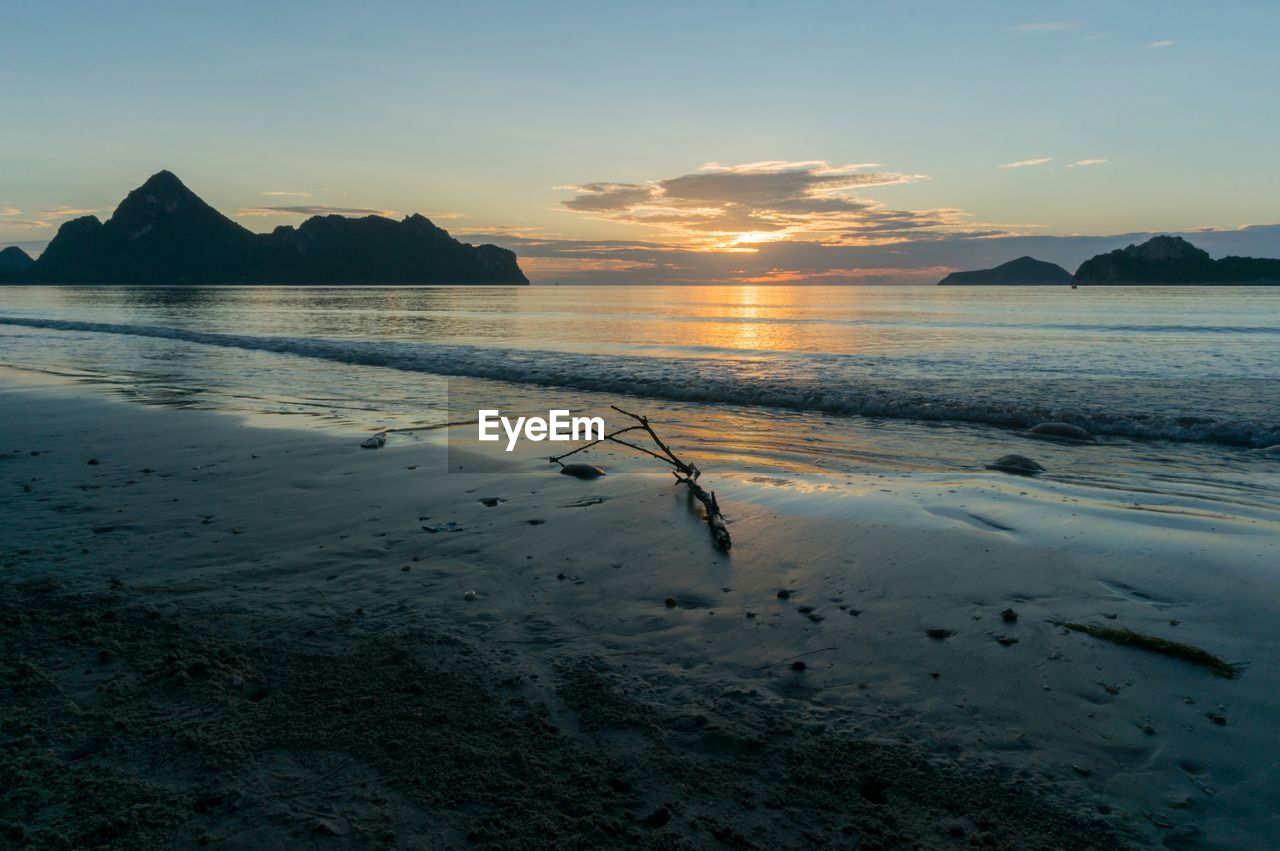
[(163, 233), (1024, 270), (1173, 260), (14, 263)]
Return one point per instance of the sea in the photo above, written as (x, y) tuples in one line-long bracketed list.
[(1180, 385)]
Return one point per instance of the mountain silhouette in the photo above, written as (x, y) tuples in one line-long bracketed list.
[(1173, 260), (14, 263), (1024, 270), (163, 233)]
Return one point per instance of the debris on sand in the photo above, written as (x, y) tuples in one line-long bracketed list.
[(582, 471), (376, 441), (1121, 635), (451, 526), (1018, 465)]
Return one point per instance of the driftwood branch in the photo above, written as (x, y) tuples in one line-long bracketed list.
[(685, 473)]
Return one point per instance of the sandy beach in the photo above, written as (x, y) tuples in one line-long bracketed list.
[(250, 637)]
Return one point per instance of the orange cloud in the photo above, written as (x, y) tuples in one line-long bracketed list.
[(735, 208)]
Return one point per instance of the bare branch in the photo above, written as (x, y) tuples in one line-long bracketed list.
[(685, 474)]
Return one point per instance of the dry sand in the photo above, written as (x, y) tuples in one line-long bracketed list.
[(245, 637)]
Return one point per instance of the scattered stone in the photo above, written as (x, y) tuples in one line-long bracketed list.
[(491, 501), (784, 594), (1062, 431), (938, 633), (535, 522), (93, 462), (559, 576), (469, 595), (1217, 718), (451, 526), (804, 610), (1006, 640), (582, 471), (1081, 770), (670, 602), (935, 674), (1018, 465), (657, 818), (798, 665), (815, 617), (855, 612), (1009, 616)]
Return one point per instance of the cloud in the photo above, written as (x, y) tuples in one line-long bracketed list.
[(737, 207), (1085, 163), (1026, 163), (279, 194), (924, 260), (68, 212), (1045, 27), (6, 210), (313, 210), (1164, 42)]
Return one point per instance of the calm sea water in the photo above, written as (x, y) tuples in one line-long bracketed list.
[(1178, 381)]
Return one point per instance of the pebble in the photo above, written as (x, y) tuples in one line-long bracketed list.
[(798, 665), (938, 633), (469, 595), (670, 602), (1009, 616)]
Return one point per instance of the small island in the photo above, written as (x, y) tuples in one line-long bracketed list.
[(1167, 260), (1024, 270), (1173, 260), (163, 233)]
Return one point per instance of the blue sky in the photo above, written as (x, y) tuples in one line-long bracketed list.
[(849, 126)]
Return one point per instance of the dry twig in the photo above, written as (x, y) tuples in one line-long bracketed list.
[(685, 473)]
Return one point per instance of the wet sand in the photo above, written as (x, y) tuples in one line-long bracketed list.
[(249, 637)]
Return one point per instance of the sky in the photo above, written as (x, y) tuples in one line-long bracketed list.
[(666, 142)]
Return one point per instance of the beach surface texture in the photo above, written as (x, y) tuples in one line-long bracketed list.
[(221, 634)]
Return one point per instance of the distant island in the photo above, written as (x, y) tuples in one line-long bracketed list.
[(163, 233), (1173, 260), (1024, 270), (1159, 260)]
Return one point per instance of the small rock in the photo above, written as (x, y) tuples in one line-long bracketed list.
[(1018, 465), (93, 462), (491, 501), (804, 610), (938, 633), (784, 594), (934, 674), (657, 818), (798, 665), (376, 441), (469, 595), (1009, 616), (670, 602), (1006, 640), (1081, 770), (582, 471), (1220, 720)]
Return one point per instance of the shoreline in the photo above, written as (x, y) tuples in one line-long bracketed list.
[(267, 532)]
